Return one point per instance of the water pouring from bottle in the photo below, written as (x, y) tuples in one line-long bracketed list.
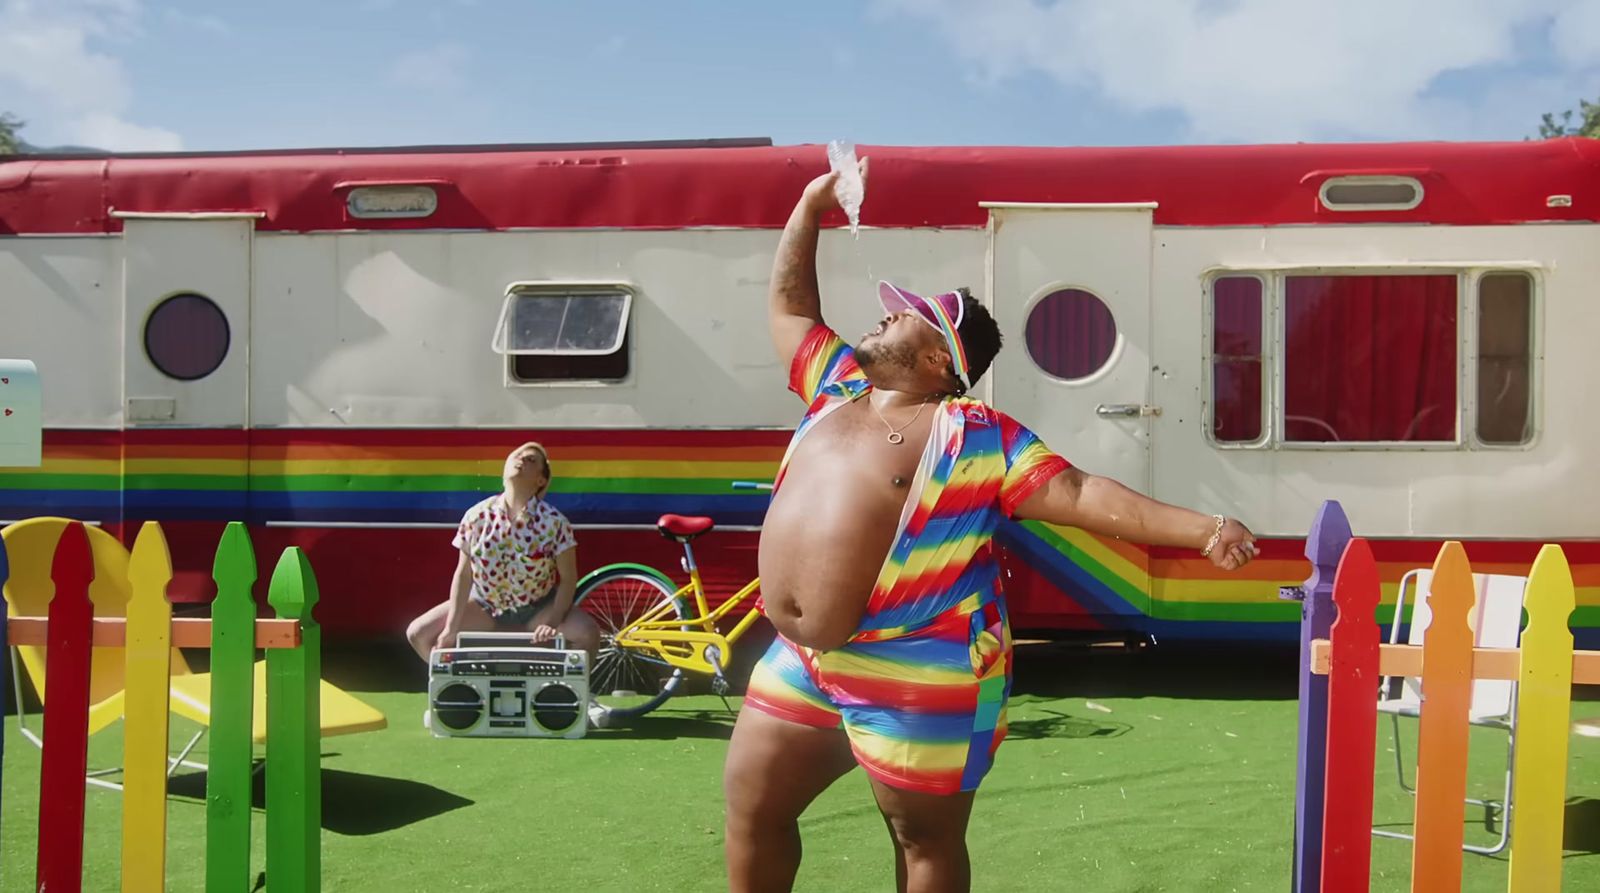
[(848, 188)]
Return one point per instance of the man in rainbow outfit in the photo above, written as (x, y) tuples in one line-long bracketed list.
[(893, 650)]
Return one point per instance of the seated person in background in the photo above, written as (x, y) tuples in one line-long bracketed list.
[(517, 569)]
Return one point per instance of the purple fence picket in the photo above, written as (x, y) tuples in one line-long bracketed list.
[(1325, 545), (5, 667)]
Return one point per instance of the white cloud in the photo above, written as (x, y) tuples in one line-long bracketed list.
[(1284, 69), (441, 67), (70, 88), (106, 131)]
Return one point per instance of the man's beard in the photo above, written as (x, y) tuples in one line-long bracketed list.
[(885, 356)]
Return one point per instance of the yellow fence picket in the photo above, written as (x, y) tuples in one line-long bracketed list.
[(1544, 707), (148, 665)]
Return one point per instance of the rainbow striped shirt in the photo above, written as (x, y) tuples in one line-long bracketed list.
[(979, 465)]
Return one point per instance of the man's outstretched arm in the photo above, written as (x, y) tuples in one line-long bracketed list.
[(1101, 505), (794, 303)]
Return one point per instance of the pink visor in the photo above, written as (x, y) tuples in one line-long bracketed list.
[(943, 311)]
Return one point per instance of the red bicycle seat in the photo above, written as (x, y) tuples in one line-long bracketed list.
[(685, 527)]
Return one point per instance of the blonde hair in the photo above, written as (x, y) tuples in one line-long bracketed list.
[(544, 456)]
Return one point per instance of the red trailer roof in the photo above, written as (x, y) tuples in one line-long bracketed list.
[(743, 183)]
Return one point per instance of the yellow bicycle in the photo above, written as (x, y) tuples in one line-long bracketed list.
[(653, 632)]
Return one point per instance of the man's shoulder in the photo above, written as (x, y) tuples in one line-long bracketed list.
[(979, 415), (820, 341), (976, 412)]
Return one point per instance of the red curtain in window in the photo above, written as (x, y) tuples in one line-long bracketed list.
[(1370, 358), (1236, 359), (1070, 334)]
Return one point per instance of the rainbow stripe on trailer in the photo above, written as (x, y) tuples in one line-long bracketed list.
[(309, 483)]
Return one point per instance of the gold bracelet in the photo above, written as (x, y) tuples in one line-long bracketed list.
[(1215, 536)]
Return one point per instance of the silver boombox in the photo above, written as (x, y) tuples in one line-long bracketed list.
[(495, 685)]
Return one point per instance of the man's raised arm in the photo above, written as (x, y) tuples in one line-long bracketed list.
[(794, 303)]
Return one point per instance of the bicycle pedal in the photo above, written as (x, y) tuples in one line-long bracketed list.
[(720, 686)]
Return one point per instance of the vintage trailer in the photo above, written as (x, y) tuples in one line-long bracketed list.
[(339, 346)]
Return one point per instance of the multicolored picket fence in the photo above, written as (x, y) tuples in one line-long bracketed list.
[(1342, 663), (148, 634)]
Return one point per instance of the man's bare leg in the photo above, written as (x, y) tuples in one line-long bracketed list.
[(899, 856), (930, 838), (774, 770)]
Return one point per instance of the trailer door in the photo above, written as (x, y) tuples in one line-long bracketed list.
[(1071, 291), (186, 405), (186, 313)]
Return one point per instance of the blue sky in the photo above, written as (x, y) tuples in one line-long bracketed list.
[(169, 74)]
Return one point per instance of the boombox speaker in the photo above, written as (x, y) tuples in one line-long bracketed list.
[(494, 685)]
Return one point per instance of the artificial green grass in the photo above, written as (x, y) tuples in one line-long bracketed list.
[(1162, 771)]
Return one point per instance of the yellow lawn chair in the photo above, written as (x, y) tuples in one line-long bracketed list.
[(30, 546)]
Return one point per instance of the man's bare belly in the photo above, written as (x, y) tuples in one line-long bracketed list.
[(831, 524)]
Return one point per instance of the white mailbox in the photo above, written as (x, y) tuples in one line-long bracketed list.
[(21, 428)]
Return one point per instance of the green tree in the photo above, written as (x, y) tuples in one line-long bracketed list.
[(10, 124), (1588, 122)]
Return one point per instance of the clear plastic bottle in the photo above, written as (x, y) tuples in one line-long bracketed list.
[(849, 189)]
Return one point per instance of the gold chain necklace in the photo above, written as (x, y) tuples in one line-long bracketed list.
[(894, 435)]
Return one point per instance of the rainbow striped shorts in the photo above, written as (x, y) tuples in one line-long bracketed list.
[(924, 711)]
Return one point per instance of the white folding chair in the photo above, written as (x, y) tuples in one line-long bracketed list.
[(1496, 622)]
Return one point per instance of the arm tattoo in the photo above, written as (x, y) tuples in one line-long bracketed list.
[(794, 289)]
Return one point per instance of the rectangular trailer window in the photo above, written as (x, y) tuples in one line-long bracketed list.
[(1238, 366), (552, 331), (1505, 358), (1370, 358)]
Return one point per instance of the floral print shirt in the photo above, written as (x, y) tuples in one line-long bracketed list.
[(513, 559)]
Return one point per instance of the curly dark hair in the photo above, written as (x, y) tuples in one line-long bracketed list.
[(980, 335)]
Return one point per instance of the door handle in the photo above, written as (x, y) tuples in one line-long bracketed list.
[(1125, 410)]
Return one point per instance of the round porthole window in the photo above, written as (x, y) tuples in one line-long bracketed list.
[(187, 336), (1071, 334)]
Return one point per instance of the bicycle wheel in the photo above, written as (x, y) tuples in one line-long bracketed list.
[(628, 681)]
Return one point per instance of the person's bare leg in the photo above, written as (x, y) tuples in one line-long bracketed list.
[(899, 857), (423, 633), (774, 770), (581, 633), (930, 834)]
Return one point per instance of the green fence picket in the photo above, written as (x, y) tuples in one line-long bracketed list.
[(294, 756), (233, 651)]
